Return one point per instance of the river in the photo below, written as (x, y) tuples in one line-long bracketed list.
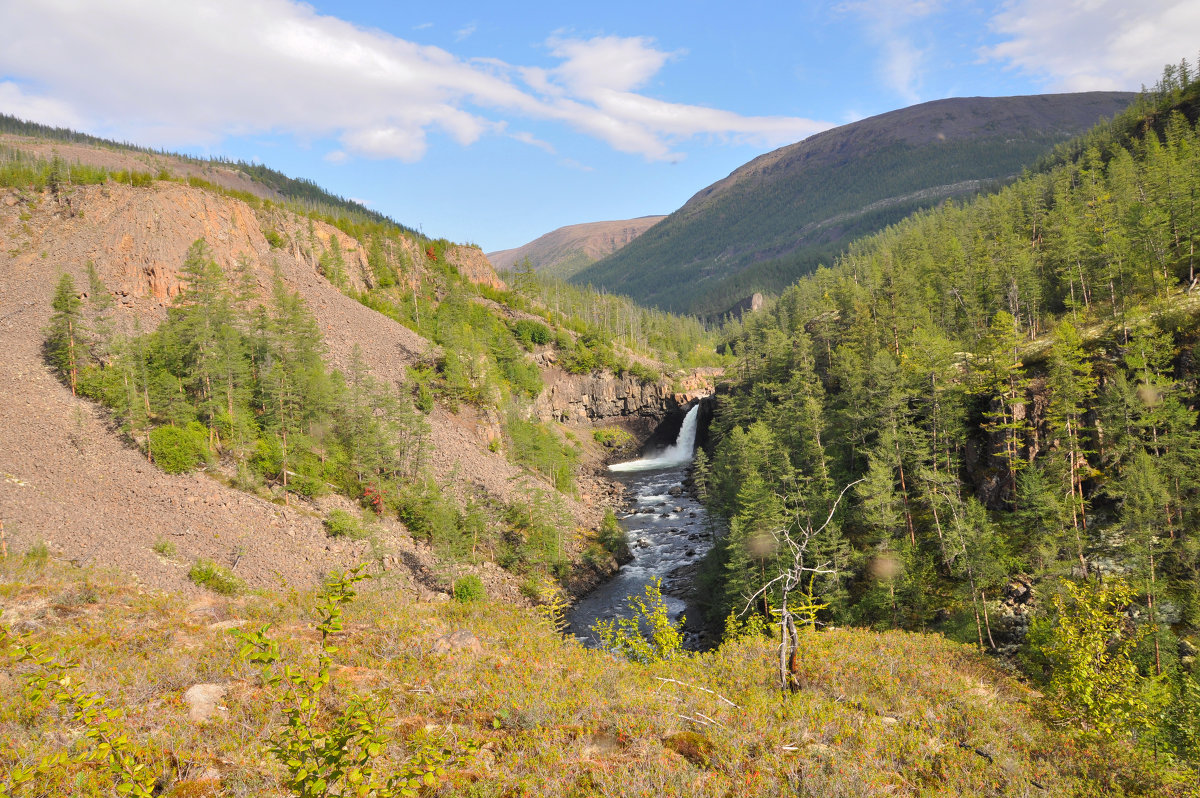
[(667, 531)]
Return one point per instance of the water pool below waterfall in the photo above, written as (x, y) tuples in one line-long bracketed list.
[(667, 530)]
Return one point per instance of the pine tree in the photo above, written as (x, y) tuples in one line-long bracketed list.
[(67, 333), (1072, 387)]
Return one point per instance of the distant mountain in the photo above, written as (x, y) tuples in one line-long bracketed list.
[(782, 214), (567, 250)]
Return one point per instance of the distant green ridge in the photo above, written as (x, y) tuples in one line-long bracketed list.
[(779, 216)]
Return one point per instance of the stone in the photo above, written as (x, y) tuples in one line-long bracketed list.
[(598, 744), (458, 640), (223, 626), (201, 700)]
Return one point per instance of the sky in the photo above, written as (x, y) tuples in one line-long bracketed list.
[(493, 123)]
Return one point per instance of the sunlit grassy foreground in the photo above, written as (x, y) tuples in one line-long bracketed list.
[(527, 713)]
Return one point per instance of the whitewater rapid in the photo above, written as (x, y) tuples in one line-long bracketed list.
[(668, 533), (677, 454)]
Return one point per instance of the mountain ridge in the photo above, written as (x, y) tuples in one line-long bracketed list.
[(782, 213), (567, 250)]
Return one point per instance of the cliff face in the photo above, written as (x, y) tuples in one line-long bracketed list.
[(606, 398), (475, 266)]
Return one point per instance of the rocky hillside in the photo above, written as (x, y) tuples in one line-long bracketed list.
[(567, 250), (780, 215), (71, 480)]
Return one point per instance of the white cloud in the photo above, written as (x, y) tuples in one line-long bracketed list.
[(1080, 45), (15, 102), (528, 138), (187, 74), (592, 90), (571, 163), (465, 31), (889, 25), (606, 62)]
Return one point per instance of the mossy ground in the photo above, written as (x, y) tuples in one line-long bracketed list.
[(882, 713)]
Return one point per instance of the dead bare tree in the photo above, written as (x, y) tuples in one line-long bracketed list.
[(797, 536)]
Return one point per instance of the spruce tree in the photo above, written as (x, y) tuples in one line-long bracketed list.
[(67, 333)]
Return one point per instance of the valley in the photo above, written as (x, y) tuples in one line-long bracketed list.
[(298, 500)]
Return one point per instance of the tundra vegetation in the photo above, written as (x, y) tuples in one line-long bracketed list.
[(351, 685)]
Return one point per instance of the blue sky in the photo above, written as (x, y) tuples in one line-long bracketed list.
[(495, 123)]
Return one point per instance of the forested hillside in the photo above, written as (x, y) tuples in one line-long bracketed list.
[(1006, 389), (782, 214)]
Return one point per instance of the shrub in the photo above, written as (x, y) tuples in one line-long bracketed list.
[(531, 333), (341, 524), (216, 578), (661, 640), (643, 373), (612, 437), (102, 736), (1094, 681), (612, 537), (330, 751), (178, 450), (164, 547), (274, 238), (38, 554), (469, 588)]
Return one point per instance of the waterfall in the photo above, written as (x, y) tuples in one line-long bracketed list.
[(677, 454)]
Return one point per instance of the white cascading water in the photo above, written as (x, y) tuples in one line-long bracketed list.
[(677, 454)]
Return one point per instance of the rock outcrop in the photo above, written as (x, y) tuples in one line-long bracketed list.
[(604, 397), (474, 265)]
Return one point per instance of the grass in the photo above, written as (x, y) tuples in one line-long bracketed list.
[(611, 437), (883, 714), (164, 547), (216, 578), (341, 524)]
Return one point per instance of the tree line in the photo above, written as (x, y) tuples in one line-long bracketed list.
[(1011, 385)]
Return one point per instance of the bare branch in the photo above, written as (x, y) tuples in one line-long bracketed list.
[(698, 687)]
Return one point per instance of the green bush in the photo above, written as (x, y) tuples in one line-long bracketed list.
[(469, 588), (648, 636), (341, 524), (178, 450), (531, 333), (275, 239), (612, 437), (612, 537), (164, 547), (536, 446), (643, 373), (217, 578), (38, 554)]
